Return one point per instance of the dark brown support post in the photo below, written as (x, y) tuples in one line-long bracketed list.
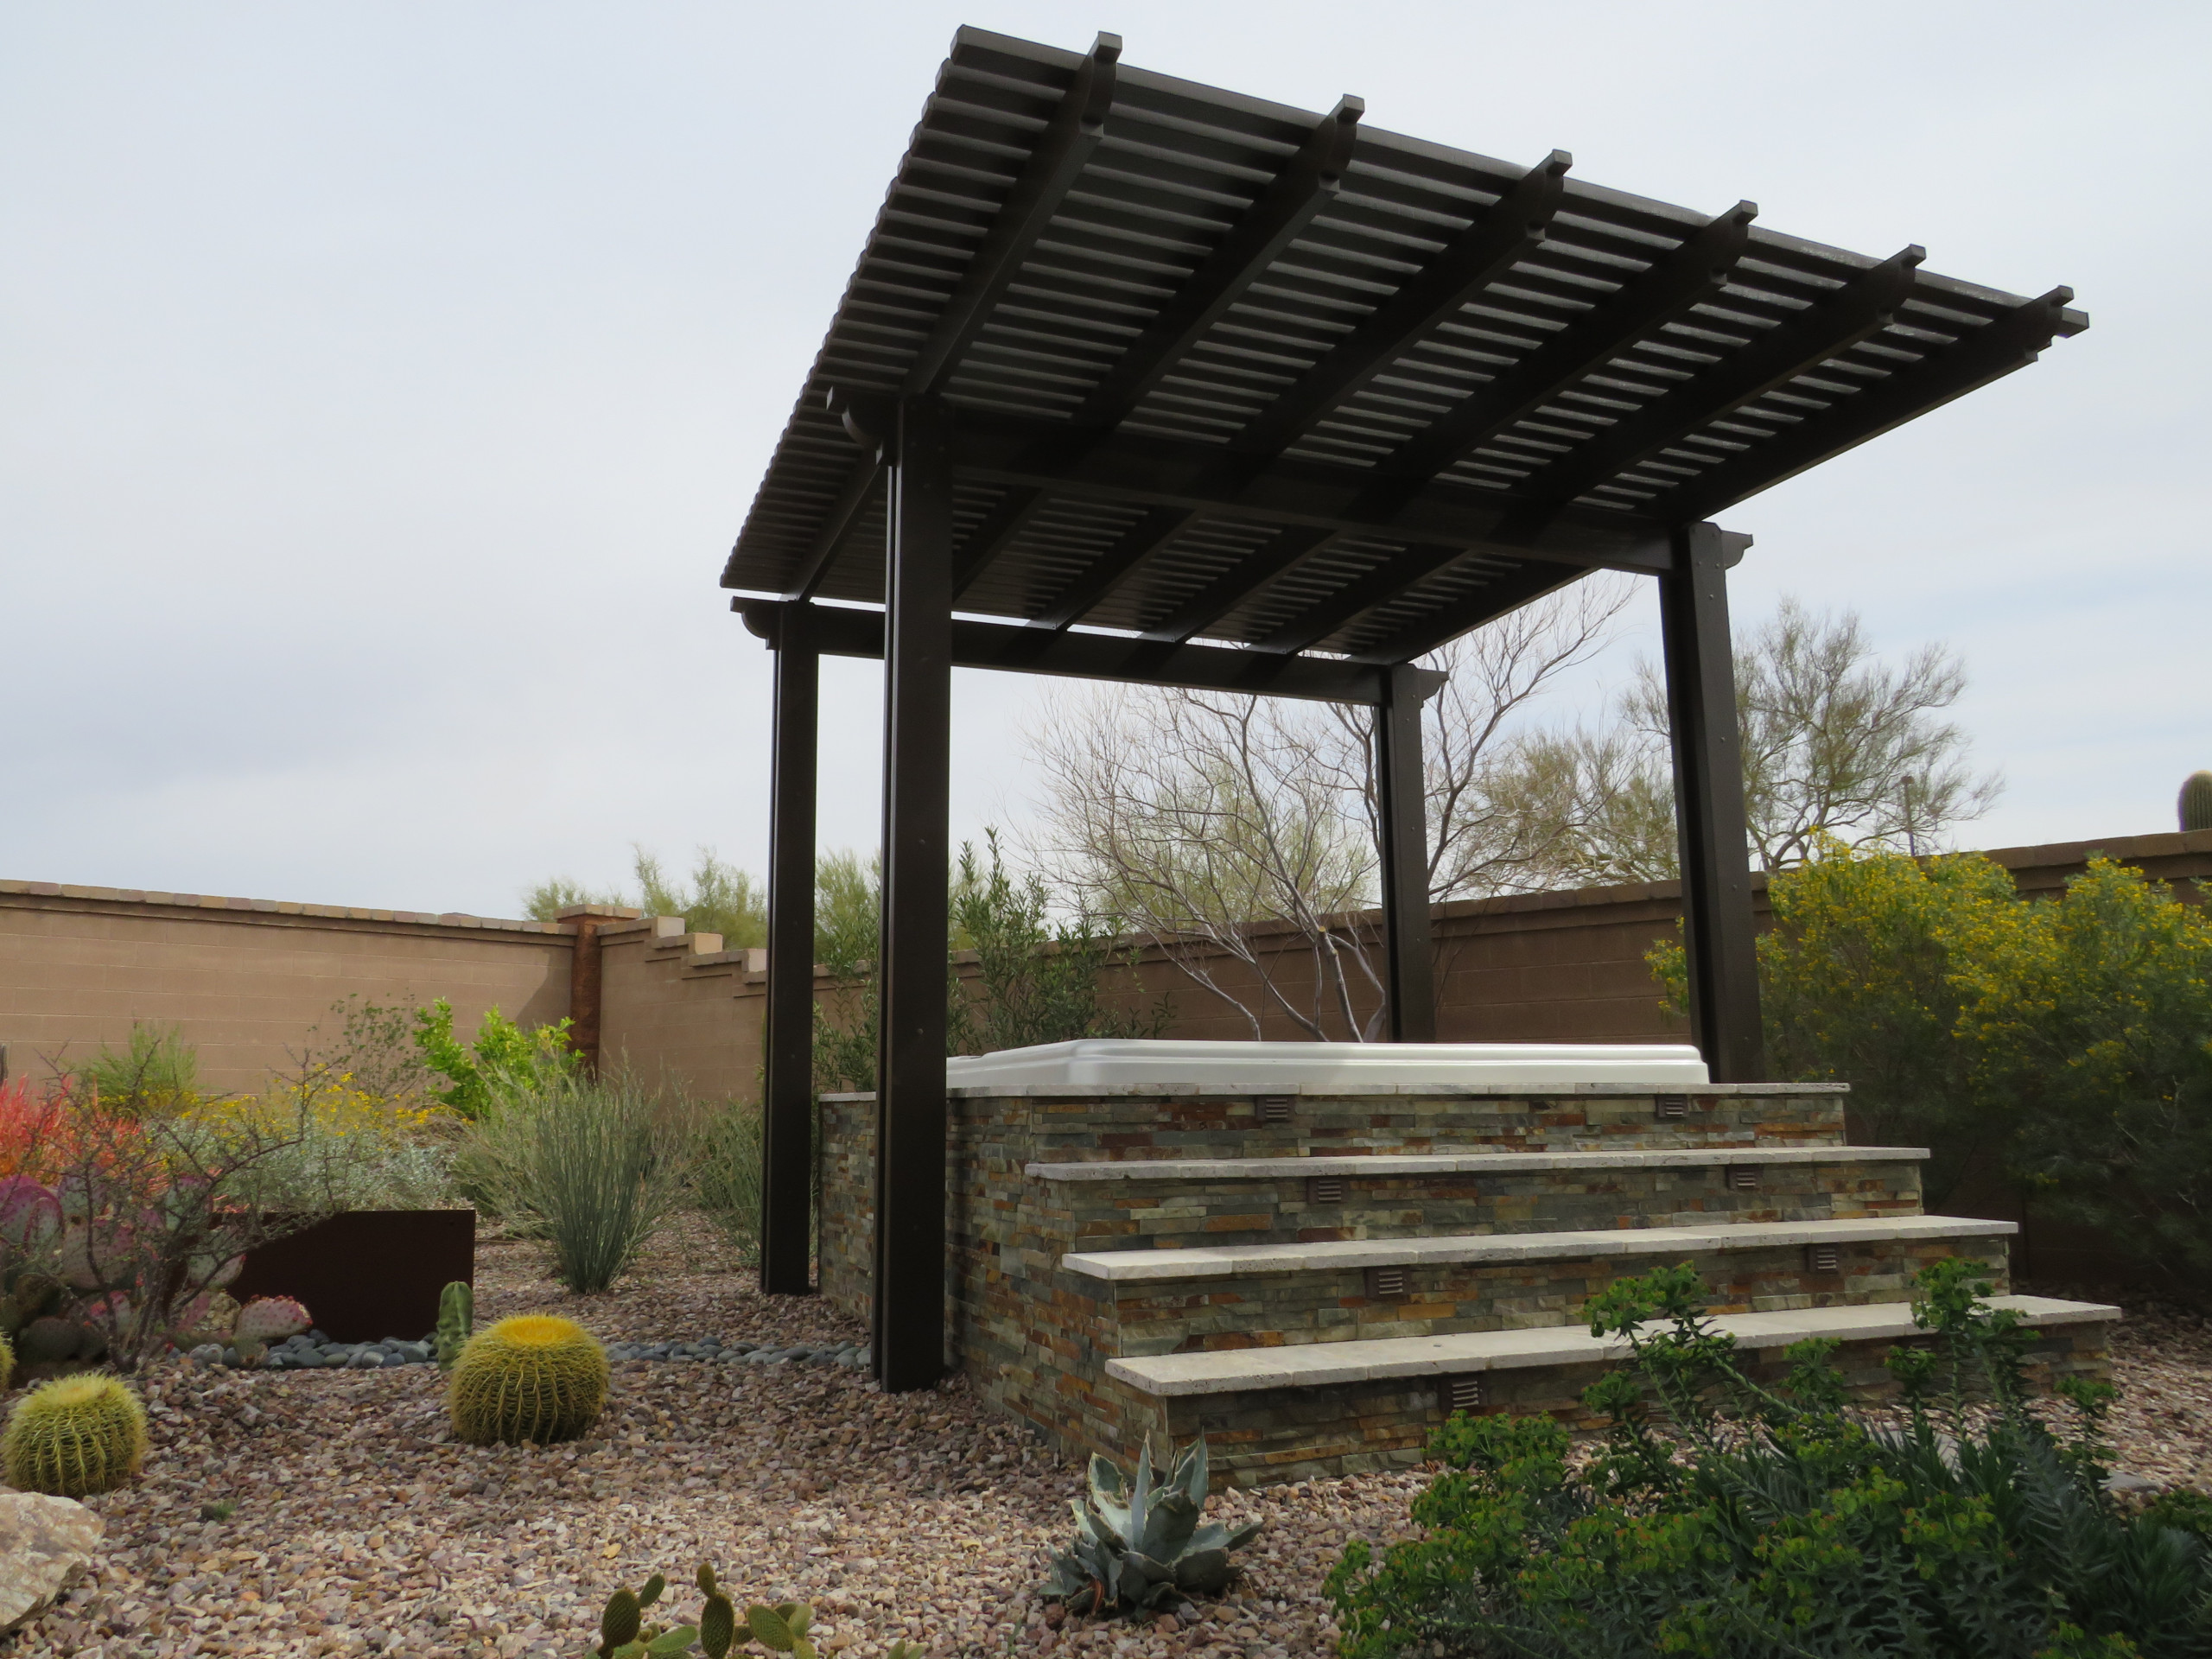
[(787, 1124), (910, 1119), (584, 978), (1401, 820), (1717, 922)]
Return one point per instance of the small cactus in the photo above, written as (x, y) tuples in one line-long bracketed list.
[(2195, 806), (623, 1633), (7, 1363), (74, 1437), (531, 1378), (271, 1319), (456, 1321)]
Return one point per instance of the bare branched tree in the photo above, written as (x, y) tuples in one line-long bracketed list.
[(1217, 827), (1835, 741)]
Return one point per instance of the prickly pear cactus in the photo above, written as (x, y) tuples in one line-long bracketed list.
[(75, 1436), (211, 1318), (456, 1321), (271, 1319), (2196, 804), (533, 1378)]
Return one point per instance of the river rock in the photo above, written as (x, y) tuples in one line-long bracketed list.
[(45, 1542)]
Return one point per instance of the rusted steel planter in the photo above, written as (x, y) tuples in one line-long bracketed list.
[(369, 1273)]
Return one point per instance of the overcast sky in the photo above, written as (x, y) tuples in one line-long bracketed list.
[(384, 384)]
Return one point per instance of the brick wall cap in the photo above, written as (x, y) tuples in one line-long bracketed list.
[(570, 912), (149, 898)]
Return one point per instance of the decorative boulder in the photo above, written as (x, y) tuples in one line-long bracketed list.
[(45, 1543)]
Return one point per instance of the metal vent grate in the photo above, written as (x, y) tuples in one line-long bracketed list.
[(1824, 1258), (1325, 1189), (1463, 1393), (1382, 1283), (1672, 1106), (1743, 1177), (1274, 1109)]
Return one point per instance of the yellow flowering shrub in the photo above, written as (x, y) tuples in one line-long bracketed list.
[(2066, 1043)]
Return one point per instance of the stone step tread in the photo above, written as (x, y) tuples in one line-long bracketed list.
[(1206, 1262), (1461, 1163), (1317, 1364)]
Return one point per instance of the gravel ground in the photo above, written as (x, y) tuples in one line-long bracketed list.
[(359, 1530)]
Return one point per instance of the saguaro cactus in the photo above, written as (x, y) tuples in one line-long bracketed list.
[(2196, 804)]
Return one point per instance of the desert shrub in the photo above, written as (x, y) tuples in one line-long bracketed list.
[(592, 1165), (343, 1147), (1725, 1517), (153, 1211), (2064, 1044), (155, 1071), (505, 1062), (726, 1175), (1037, 979)]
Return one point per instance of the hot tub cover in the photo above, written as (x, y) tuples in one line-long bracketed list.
[(1106, 1063)]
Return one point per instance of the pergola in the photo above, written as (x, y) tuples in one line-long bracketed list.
[(1144, 380)]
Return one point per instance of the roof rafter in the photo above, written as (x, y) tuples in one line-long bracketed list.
[(1239, 583), (1150, 533), (1507, 231), (1988, 353), (1274, 219), (1486, 604), (1695, 269), (1075, 132), (1860, 308), (1394, 577)]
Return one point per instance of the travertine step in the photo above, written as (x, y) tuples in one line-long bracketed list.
[(1324, 1363), (1463, 1163), (1143, 1267)]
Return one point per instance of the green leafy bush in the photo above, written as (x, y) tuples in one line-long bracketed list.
[(1743, 1520), (505, 1061), (155, 1071), (1035, 979), (2064, 1044)]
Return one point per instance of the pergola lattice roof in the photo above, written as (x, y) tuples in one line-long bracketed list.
[(1221, 370)]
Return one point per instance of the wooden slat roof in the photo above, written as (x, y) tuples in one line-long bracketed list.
[(1226, 371)]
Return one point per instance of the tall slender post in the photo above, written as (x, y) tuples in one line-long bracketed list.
[(911, 1118), (787, 1124), (1717, 920), (1401, 818)]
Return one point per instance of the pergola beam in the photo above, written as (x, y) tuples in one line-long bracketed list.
[(1510, 229), (1159, 526), (837, 631), (1397, 575), (1239, 583), (1853, 313), (1150, 472), (1259, 236), (1988, 353), (1067, 143), (1695, 269), (1007, 519), (1486, 604), (859, 485)]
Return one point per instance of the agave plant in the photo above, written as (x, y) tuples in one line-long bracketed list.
[(1142, 1547)]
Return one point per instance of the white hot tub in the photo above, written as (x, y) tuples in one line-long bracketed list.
[(1107, 1063)]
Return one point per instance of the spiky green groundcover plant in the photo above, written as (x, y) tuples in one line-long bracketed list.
[(530, 1378), (1744, 1521), (1140, 1547), (75, 1436)]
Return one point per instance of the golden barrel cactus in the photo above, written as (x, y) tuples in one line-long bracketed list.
[(73, 1436), (533, 1378)]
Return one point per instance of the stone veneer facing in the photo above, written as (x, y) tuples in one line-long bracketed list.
[(1824, 1225)]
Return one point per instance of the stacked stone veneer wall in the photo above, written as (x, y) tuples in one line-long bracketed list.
[(1035, 1335)]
